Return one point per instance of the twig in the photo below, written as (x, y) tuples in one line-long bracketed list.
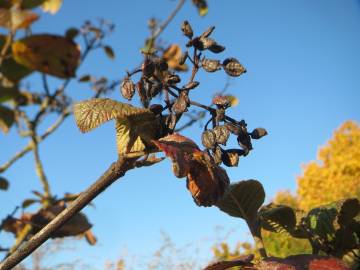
[(168, 20), (114, 172), (39, 168), (45, 84)]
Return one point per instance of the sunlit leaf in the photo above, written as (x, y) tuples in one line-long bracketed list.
[(233, 100), (52, 6), (16, 19), (243, 199), (7, 118), (109, 52), (172, 56), (135, 127), (91, 113), (4, 183), (90, 237), (51, 54)]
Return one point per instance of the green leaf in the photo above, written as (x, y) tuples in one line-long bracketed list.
[(26, 203), (320, 222), (243, 199), (51, 54), (7, 118), (71, 33), (277, 218), (4, 184), (109, 52)]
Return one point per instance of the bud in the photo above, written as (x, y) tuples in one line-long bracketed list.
[(186, 29), (257, 133), (127, 88), (208, 139), (233, 67), (210, 65), (222, 134)]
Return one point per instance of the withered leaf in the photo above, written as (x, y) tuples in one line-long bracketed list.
[(127, 88), (208, 139), (16, 18), (206, 181), (230, 157), (210, 65), (222, 134), (179, 149), (51, 54), (109, 52)]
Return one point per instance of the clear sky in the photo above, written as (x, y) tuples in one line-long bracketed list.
[(303, 81)]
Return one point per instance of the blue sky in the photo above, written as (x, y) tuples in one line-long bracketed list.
[(303, 81)]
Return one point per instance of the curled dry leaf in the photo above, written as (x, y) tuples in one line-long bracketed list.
[(258, 133), (172, 55), (231, 157), (206, 181), (51, 54), (181, 103), (4, 183), (233, 67), (222, 134), (14, 19), (208, 139), (221, 101)]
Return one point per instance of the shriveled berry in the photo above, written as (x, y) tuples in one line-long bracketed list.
[(186, 29), (208, 139), (222, 134), (233, 67), (210, 65), (127, 88)]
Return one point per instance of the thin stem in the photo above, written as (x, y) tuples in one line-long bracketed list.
[(5, 48), (45, 84), (168, 20), (114, 172), (39, 168)]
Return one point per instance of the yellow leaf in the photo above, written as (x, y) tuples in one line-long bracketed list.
[(233, 100), (172, 56), (52, 6), (51, 54), (135, 127)]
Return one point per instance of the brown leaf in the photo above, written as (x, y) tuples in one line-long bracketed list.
[(16, 19), (51, 54), (206, 181), (223, 265), (4, 183), (109, 52), (233, 67), (90, 237)]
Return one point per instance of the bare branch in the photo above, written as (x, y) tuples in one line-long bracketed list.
[(114, 172)]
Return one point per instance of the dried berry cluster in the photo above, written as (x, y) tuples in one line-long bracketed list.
[(146, 130)]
